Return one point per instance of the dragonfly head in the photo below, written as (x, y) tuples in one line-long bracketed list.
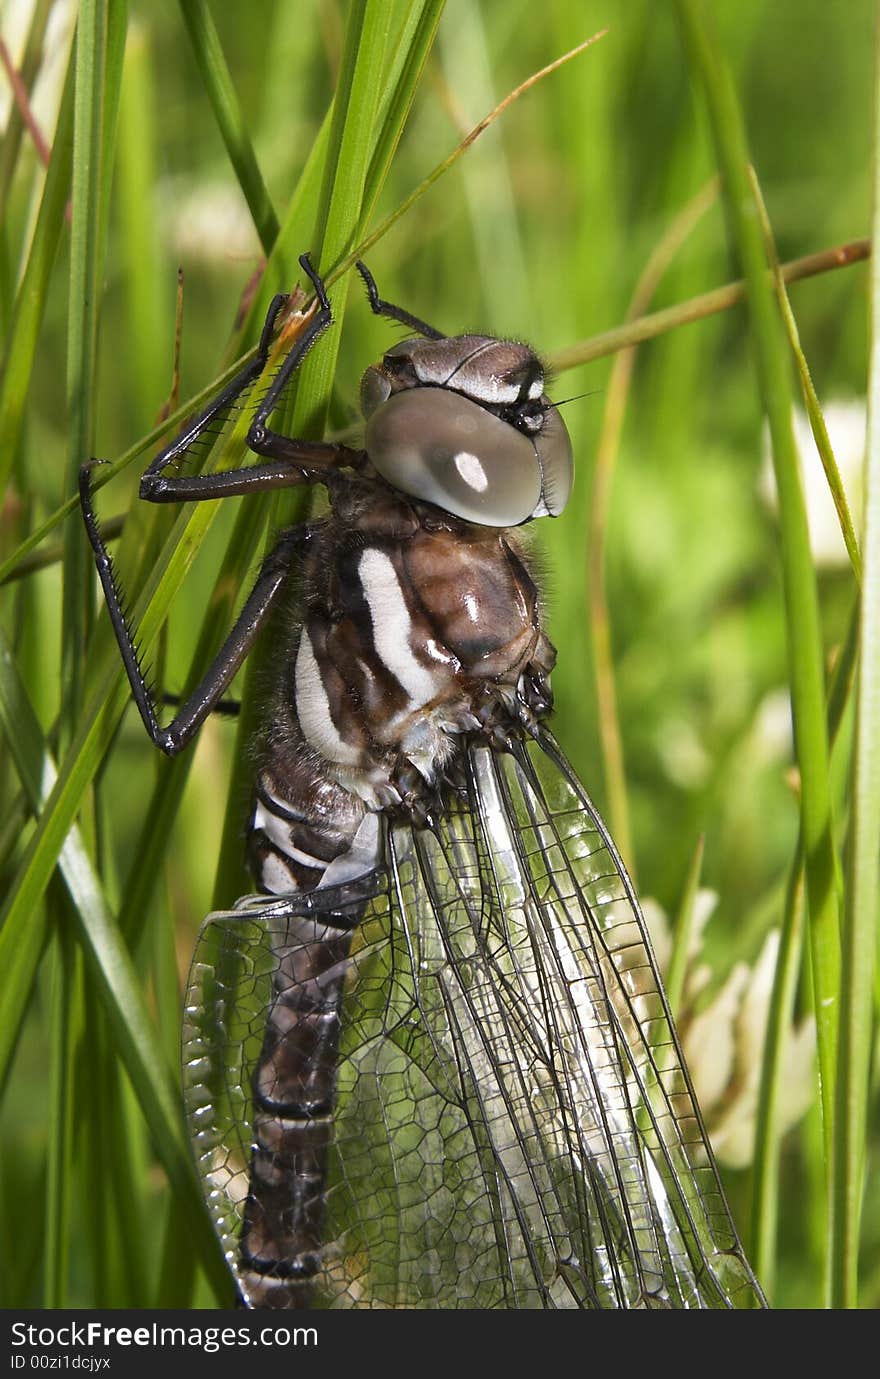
[(463, 422)]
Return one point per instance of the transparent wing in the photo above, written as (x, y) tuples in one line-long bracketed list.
[(513, 1126)]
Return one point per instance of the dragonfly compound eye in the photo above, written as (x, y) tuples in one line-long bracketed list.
[(436, 445), (553, 445)]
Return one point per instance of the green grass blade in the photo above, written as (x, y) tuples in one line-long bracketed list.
[(765, 1179), (64, 1013), (30, 299), (82, 324), (658, 323), (863, 873), (409, 55), (28, 68), (801, 604), (112, 972), (811, 401), (683, 928), (379, 231), (146, 323), (230, 121)]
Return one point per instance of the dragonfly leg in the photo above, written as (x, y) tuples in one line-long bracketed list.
[(208, 693), (291, 461), (394, 313)]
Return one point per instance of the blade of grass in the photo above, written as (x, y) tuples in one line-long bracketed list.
[(607, 448), (30, 299), (801, 602), (351, 143), (82, 330), (863, 872), (409, 55), (681, 933), (706, 304), (366, 244), (146, 323), (811, 401), (100, 47), (27, 72), (230, 121), (65, 1013), (113, 974), (765, 1178), (408, 62)]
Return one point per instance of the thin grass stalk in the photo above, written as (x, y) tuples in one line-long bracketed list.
[(811, 401), (31, 59), (706, 304), (110, 967), (99, 49), (765, 1175), (607, 450), (766, 1158), (409, 55), (674, 976), (146, 324), (30, 298), (65, 1011), (88, 145), (863, 871), (801, 603), (385, 225), (221, 93)]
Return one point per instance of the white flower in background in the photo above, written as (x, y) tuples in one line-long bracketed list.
[(771, 726), (846, 422), (723, 1044), (209, 221)]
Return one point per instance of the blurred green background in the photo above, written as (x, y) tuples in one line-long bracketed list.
[(541, 232)]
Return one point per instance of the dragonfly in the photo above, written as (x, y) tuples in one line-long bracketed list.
[(430, 1063)]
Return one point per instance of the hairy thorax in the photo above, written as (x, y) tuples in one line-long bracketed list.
[(416, 628)]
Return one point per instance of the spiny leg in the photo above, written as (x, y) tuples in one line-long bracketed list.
[(394, 313), (292, 461), (275, 570)]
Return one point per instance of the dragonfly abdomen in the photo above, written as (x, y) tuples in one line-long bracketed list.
[(293, 1093)]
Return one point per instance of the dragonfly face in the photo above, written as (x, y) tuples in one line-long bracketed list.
[(464, 423), (431, 1064)]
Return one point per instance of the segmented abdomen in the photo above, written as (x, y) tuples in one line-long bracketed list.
[(293, 1095)]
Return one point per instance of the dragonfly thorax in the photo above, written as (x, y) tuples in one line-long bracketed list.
[(414, 633)]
